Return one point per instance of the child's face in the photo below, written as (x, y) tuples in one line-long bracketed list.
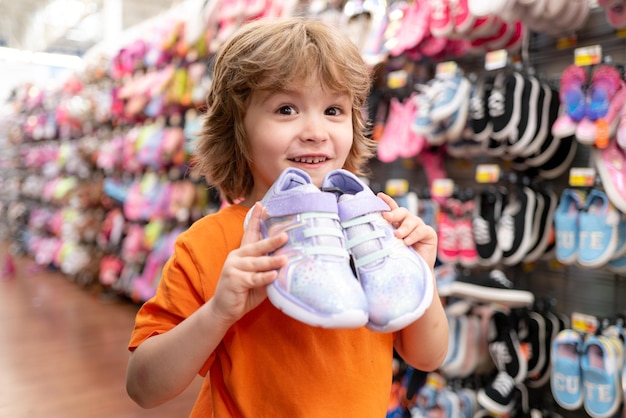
[(306, 126)]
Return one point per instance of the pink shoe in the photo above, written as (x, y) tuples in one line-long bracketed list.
[(441, 22), (517, 37), (503, 38), (463, 19), (433, 45), (616, 13), (564, 126), (447, 249), (468, 255), (610, 163), (571, 92), (410, 144), (483, 26), (414, 27), (485, 43), (398, 139), (616, 106), (394, 131)]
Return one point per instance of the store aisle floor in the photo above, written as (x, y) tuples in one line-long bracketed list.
[(63, 350)]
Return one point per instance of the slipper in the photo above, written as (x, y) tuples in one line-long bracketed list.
[(565, 380), (601, 365), (598, 229), (567, 225)]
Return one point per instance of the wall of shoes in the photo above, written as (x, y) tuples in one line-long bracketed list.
[(499, 122)]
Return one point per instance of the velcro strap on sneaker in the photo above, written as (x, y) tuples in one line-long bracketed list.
[(359, 206), (300, 203)]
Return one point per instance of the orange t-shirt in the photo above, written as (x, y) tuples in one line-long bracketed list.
[(268, 364)]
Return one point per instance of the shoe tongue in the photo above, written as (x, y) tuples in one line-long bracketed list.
[(302, 187), (344, 197), (366, 247)]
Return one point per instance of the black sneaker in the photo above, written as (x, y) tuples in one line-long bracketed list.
[(505, 104), (540, 247), (504, 347), (552, 327), (543, 121), (498, 397), (527, 126), (479, 112), (488, 207), (561, 161), (515, 226), (543, 151), (531, 331), (491, 287), (536, 228)]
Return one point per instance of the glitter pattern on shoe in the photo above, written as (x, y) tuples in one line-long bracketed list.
[(317, 285), (396, 280)]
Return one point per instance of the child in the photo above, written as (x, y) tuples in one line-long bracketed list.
[(286, 93)]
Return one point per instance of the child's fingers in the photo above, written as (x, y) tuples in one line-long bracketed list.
[(388, 200), (252, 232)]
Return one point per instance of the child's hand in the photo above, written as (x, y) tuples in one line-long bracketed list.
[(247, 270), (412, 230)]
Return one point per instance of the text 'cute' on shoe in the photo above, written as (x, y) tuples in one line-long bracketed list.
[(397, 282), (317, 285), (566, 378)]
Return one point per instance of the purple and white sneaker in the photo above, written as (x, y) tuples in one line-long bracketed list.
[(317, 285), (397, 282)]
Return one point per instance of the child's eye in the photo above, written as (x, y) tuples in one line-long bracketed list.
[(334, 111), (286, 110)]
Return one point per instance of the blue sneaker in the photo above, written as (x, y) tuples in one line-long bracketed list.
[(422, 124), (601, 363), (598, 230), (565, 379), (397, 282), (450, 94), (317, 285), (566, 225), (467, 402), (449, 403)]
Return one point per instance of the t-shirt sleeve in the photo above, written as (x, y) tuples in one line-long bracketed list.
[(179, 294), (190, 276)]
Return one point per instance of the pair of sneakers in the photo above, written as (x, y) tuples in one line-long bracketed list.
[(388, 286), (398, 140), (589, 230), (587, 372)]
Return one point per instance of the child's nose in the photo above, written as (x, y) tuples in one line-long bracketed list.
[(314, 129)]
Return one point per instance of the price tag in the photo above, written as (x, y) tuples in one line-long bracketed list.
[(566, 42), (435, 380), (582, 177), (584, 323), (396, 187), (487, 173), (442, 188), (446, 69), (495, 60), (397, 79), (588, 55)]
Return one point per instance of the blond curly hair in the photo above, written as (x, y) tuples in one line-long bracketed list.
[(270, 55)]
